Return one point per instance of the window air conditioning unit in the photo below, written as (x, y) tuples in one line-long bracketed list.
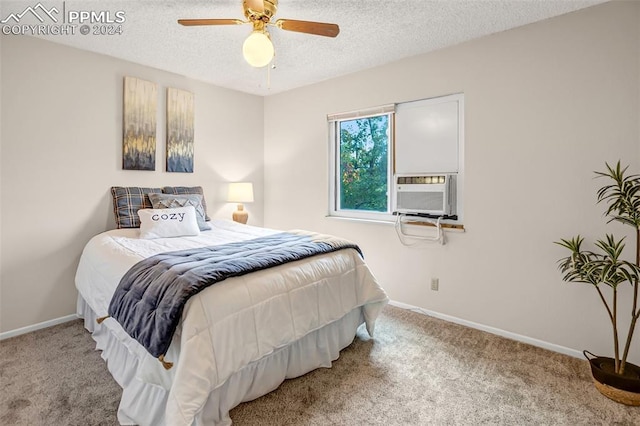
[(428, 194)]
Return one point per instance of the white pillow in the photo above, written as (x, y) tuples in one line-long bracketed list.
[(160, 223)]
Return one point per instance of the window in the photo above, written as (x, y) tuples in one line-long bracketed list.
[(416, 138), (361, 163)]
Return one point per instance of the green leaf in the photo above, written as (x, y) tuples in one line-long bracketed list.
[(622, 196)]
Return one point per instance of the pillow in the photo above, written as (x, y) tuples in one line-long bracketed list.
[(186, 190), (126, 203), (162, 223), (167, 201)]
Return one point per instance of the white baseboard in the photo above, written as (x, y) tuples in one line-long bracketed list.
[(34, 327), (520, 338)]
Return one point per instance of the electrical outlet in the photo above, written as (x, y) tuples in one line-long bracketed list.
[(435, 282)]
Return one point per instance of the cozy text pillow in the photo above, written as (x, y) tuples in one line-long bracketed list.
[(160, 223)]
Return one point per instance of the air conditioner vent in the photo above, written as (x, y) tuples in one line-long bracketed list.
[(425, 193)]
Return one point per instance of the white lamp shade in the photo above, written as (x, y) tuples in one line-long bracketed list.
[(240, 192), (258, 49)]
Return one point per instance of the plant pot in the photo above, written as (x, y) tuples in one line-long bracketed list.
[(620, 388)]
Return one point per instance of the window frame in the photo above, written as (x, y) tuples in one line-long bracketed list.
[(393, 110), (335, 209)]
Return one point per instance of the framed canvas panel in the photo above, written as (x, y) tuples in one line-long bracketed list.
[(139, 124), (179, 131)]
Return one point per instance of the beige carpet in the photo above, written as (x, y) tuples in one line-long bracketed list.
[(418, 371)]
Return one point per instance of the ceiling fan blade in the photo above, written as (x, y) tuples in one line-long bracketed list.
[(195, 22), (309, 27)]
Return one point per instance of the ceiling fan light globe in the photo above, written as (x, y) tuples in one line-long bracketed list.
[(258, 49)]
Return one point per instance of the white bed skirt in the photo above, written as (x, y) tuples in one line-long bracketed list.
[(143, 403)]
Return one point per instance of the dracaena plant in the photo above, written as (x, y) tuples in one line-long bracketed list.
[(606, 268)]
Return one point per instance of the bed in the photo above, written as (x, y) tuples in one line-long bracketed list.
[(237, 339)]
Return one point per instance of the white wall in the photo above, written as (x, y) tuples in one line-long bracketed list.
[(62, 151), (545, 106)]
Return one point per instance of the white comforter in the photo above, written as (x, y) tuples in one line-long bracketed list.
[(234, 322)]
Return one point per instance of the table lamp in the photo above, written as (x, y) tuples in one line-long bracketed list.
[(240, 192)]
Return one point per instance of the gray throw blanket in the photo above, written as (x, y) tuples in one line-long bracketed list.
[(150, 298)]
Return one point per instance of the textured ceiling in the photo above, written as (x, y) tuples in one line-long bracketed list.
[(372, 33)]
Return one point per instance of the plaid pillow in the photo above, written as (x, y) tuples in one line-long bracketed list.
[(170, 201), (126, 203), (184, 190)]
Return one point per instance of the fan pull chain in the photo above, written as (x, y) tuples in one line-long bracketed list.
[(270, 67)]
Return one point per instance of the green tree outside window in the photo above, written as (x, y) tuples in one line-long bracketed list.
[(364, 147)]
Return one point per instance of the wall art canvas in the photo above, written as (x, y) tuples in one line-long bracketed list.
[(179, 131), (140, 110)]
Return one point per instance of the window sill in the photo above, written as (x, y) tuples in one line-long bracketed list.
[(390, 221)]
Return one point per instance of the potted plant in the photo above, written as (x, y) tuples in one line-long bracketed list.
[(606, 270)]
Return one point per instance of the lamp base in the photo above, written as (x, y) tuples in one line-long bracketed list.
[(240, 215)]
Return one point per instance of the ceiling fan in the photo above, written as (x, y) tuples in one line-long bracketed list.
[(258, 49)]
